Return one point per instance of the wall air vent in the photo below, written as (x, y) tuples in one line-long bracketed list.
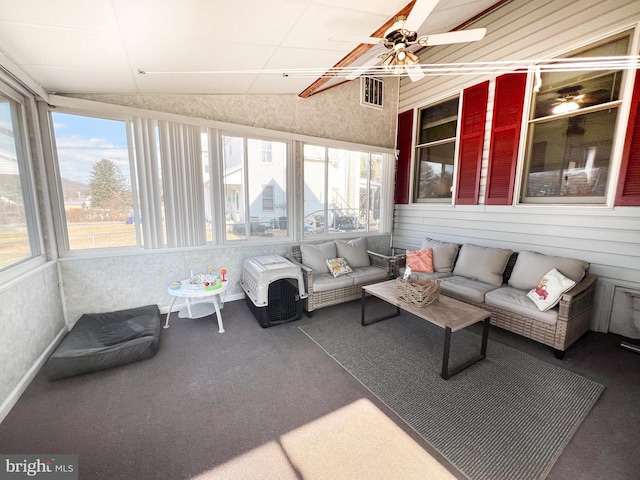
[(371, 92)]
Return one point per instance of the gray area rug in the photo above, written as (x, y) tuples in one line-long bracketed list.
[(506, 417)]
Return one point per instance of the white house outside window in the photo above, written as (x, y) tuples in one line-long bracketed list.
[(255, 190)]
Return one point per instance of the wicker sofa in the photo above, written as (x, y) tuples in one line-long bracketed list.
[(323, 289), (499, 280)]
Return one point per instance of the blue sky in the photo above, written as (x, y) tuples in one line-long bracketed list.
[(82, 141)]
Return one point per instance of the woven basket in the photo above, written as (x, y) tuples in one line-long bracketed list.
[(419, 292)]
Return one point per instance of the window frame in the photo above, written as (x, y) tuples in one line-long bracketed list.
[(222, 221), (529, 120), (417, 148), (385, 192), (24, 115), (214, 131), (58, 207)]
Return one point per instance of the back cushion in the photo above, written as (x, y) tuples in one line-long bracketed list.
[(530, 267), (314, 255), (354, 252), (444, 254), (485, 264)]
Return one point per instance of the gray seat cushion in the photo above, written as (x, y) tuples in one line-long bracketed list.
[(516, 301), (362, 275), (323, 282), (463, 287), (103, 340), (425, 274)]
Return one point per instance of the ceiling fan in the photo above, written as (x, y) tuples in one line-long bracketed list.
[(570, 99), (397, 58)]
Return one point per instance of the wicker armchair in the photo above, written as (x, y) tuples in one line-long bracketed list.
[(335, 296), (574, 313)]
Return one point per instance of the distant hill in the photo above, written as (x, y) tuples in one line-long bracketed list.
[(74, 190)]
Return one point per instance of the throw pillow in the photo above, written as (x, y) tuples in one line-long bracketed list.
[(314, 255), (550, 287), (444, 254), (420, 260), (338, 266), (354, 251)]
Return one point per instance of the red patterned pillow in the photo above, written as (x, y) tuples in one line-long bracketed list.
[(420, 260)]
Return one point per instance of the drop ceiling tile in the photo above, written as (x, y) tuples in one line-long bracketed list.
[(95, 15), (387, 8), (62, 47), (83, 80), (301, 58), (318, 24), (164, 54), (269, 84), (258, 22), (195, 84)]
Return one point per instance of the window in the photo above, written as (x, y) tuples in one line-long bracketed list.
[(208, 187), (19, 235), (267, 152), (95, 181), (435, 152), (255, 191), (267, 198), (342, 190), (571, 132), (138, 182), (371, 92)]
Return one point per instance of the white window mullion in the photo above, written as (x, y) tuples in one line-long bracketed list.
[(245, 189)]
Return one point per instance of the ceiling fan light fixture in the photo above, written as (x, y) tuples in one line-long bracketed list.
[(412, 57), (565, 107)]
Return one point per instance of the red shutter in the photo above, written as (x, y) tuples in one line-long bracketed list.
[(474, 113), (505, 137), (403, 168), (628, 191)]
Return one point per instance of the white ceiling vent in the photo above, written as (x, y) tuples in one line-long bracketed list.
[(371, 92)]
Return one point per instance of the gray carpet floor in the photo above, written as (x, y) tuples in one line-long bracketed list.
[(507, 417), (206, 398)]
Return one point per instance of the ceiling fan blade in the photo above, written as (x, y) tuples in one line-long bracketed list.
[(370, 62), (460, 36), (355, 39), (415, 72), (419, 13)]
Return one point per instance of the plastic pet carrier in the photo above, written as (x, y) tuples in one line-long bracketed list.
[(274, 289)]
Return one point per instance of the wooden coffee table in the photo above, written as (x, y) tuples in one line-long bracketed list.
[(446, 312)]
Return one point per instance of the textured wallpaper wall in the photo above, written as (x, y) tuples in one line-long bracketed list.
[(335, 113)]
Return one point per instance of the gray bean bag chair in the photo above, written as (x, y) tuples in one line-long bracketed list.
[(104, 340)]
